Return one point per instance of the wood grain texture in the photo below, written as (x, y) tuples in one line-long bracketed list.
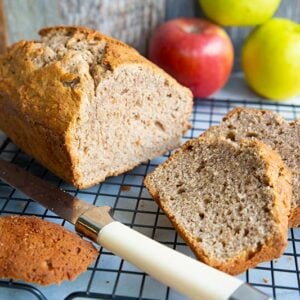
[(3, 29), (129, 20), (179, 8)]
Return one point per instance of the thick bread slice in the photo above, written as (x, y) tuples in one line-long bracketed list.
[(38, 251), (88, 106), (228, 201), (273, 130)]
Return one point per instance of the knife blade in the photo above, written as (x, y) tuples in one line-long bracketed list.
[(188, 276), (61, 203)]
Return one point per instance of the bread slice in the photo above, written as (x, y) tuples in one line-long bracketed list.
[(273, 130), (38, 251), (229, 201), (87, 106)]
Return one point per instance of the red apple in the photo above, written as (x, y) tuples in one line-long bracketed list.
[(198, 53)]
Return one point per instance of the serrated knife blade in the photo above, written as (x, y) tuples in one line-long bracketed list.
[(61, 203)]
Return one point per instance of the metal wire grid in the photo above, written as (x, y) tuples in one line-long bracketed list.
[(112, 278)]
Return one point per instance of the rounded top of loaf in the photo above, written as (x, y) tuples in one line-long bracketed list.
[(89, 33), (49, 79)]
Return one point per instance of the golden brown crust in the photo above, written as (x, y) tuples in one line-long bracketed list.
[(46, 146), (278, 177), (32, 112), (239, 110), (116, 52), (38, 251), (294, 217), (91, 33)]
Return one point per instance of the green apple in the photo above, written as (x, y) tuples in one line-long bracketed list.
[(271, 59), (239, 12)]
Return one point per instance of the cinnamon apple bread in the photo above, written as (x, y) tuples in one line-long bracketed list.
[(87, 106), (228, 201), (38, 251), (270, 128)]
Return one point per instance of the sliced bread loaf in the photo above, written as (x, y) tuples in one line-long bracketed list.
[(38, 251), (88, 106), (273, 130), (229, 201)]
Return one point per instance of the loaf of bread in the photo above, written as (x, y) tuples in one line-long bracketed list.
[(273, 130), (229, 201), (87, 106), (38, 251)]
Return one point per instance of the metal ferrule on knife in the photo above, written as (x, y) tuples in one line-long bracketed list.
[(92, 221)]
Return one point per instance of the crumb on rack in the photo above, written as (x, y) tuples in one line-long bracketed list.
[(125, 188), (265, 280)]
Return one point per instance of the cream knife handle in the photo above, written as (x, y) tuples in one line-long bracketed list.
[(186, 275)]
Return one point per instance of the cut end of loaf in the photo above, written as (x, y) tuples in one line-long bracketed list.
[(136, 116), (222, 197)]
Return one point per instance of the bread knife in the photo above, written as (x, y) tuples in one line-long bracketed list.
[(185, 274)]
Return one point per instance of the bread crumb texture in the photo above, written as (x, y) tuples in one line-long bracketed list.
[(229, 201), (270, 128), (87, 106), (38, 251)]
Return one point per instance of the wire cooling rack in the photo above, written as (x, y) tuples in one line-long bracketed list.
[(112, 278)]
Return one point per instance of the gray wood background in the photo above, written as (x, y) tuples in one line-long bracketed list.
[(129, 20)]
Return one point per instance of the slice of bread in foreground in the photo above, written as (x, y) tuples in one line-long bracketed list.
[(38, 251), (228, 201), (273, 130)]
